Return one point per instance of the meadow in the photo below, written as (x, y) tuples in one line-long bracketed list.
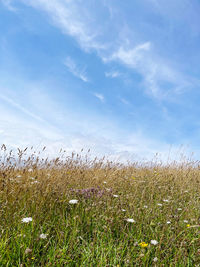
[(77, 211)]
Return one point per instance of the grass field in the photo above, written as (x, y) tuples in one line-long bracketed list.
[(72, 211)]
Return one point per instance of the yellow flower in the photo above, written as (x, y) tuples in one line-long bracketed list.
[(143, 244), (188, 225)]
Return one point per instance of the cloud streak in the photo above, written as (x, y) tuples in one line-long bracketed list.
[(75, 70), (99, 96), (21, 108)]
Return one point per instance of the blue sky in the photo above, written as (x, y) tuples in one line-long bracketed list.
[(118, 77)]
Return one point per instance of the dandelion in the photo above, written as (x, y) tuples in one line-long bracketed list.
[(154, 242), (27, 220), (73, 201), (143, 244), (43, 236), (188, 225), (115, 196), (130, 220)]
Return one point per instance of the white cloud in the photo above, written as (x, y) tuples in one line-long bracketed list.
[(75, 70), (99, 96)]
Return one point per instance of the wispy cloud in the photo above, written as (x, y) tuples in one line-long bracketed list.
[(99, 96), (75, 70), (21, 108), (8, 4), (124, 101), (160, 79), (75, 19), (72, 18), (112, 74)]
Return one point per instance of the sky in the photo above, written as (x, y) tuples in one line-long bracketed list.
[(120, 78)]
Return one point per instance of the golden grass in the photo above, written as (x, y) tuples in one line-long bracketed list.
[(163, 202)]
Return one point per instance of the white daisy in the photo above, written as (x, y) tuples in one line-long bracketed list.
[(168, 222), (115, 196), (166, 200), (27, 220), (43, 236), (154, 242), (73, 201), (155, 259), (130, 220)]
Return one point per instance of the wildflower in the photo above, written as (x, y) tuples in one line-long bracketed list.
[(188, 225), (168, 222), (155, 259), (115, 196), (34, 182), (19, 176), (166, 200), (185, 221), (159, 204), (145, 206), (130, 220), (143, 244), (28, 250), (108, 189), (73, 201), (179, 209), (123, 210), (105, 182), (154, 242), (27, 220), (43, 236)]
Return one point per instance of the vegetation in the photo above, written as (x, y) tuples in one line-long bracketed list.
[(73, 211)]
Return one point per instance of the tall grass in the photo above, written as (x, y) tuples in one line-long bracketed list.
[(135, 215)]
